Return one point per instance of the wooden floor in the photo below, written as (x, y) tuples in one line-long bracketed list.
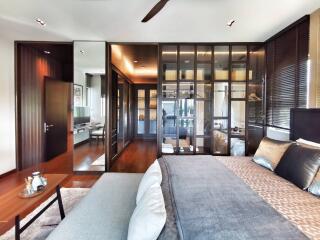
[(136, 158), (85, 154)]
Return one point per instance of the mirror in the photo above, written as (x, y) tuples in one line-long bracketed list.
[(89, 106)]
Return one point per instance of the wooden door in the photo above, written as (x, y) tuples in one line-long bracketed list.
[(56, 117)]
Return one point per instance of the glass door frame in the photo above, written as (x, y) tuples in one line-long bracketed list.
[(229, 82), (146, 135)]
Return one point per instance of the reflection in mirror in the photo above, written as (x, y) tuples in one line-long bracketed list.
[(141, 111), (221, 99), (238, 147), (169, 90), (153, 111), (186, 107), (89, 106), (203, 145), (186, 135), (239, 53), (238, 90), (169, 121), (186, 90), (220, 136), (203, 118), (238, 72), (186, 62), (169, 66), (203, 90), (238, 118), (221, 62)]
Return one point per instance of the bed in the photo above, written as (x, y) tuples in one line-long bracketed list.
[(206, 197), (234, 198)]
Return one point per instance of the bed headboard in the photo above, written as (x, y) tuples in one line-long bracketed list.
[(305, 123)]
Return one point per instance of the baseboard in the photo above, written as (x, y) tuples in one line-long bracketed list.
[(8, 173)]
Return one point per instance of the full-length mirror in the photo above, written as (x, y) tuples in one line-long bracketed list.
[(89, 96)]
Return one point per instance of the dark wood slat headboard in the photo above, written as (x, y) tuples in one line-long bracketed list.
[(305, 123)]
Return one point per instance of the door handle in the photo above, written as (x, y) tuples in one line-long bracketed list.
[(47, 127)]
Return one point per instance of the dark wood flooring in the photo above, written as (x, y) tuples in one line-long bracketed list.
[(136, 157), (85, 154)]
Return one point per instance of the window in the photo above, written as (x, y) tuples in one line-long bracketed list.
[(287, 67)]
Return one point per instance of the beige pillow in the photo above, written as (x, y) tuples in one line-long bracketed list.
[(270, 152)]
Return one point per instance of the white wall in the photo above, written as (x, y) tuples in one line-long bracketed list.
[(7, 106), (80, 79), (95, 107)]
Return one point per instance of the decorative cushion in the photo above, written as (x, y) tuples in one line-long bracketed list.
[(315, 185), (270, 152), (149, 216), (299, 165), (153, 175)]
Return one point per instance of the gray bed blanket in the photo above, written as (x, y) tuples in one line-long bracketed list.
[(210, 202)]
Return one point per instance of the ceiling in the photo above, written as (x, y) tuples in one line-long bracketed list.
[(179, 21), (138, 62), (90, 57)]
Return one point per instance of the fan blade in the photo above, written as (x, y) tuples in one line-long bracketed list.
[(157, 8)]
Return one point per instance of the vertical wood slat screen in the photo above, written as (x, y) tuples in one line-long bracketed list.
[(287, 67)]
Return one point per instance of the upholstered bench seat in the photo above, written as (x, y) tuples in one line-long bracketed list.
[(104, 213)]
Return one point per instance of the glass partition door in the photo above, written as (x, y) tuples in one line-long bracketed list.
[(205, 92), (146, 111)]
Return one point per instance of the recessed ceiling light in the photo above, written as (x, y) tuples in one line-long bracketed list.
[(231, 22), (41, 22), (82, 51), (135, 61), (47, 52)]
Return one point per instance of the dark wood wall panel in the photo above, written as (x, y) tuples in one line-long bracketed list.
[(33, 67)]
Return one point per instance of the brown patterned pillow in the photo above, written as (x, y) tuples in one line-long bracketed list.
[(270, 152)]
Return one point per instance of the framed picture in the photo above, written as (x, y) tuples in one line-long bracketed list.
[(78, 95)]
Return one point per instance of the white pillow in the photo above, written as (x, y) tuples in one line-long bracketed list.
[(153, 175), (149, 217), (309, 143)]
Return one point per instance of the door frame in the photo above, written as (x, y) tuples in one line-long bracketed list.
[(146, 135), (109, 66), (18, 103)]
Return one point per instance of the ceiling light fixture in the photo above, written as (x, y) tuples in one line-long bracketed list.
[(135, 61), (82, 51), (47, 52), (231, 22), (41, 22)]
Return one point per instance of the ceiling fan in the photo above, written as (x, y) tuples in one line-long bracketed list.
[(154, 11)]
